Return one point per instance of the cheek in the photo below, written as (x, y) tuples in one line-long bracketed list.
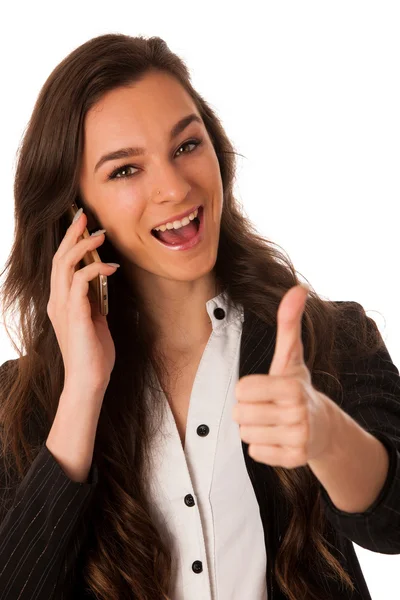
[(123, 211), (211, 171), (216, 190), (209, 178), (124, 203)]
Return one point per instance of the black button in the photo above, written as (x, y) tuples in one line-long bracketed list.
[(219, 313), (203, 430), (197, 566), (189, 500)]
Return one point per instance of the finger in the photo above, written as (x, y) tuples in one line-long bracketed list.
[(65, 266), (74, 231), (70, 239), (276, 456), (78, 306), (293, 436), (269, 388), (268, 414), (289, 347)]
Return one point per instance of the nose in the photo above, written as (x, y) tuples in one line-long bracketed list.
[(170, 186)]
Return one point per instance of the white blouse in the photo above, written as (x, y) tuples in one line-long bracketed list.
[(201, 497)]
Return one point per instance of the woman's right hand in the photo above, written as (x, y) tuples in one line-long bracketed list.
[(82, 332)]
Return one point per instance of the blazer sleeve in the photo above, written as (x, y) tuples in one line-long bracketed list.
[(40, 533), (371, 396)]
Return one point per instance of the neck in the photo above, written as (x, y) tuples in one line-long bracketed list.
[(176, 312)]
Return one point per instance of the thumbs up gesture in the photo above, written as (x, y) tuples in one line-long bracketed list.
[(285, 421)]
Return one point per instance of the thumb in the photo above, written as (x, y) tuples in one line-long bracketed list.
[(289, 352)]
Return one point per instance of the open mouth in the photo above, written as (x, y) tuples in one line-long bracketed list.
[(181, 236)]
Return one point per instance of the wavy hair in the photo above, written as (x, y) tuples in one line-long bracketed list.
[(126, 556)]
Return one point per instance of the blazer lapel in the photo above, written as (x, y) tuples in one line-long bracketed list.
[(256, 353)]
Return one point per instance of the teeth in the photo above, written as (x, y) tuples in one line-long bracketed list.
[(178, 224)]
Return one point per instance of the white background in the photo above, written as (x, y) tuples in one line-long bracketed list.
[(309, 94)]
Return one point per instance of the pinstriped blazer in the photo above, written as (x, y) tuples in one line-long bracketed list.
[(43, 538)]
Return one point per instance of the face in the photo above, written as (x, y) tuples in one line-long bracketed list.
[(131, 195)]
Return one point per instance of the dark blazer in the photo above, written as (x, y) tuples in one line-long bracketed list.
[(42, 527)]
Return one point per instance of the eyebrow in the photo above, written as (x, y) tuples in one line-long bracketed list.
[(129, 152)]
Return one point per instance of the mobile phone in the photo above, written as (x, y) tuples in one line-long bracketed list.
[(98, 287)]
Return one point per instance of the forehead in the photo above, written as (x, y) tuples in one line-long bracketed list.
[(147, 107)]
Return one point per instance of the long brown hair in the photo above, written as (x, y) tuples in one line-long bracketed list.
[(126, 555)]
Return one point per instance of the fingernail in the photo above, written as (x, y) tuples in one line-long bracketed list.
[(113, 264), (98, 232), (78, 214)]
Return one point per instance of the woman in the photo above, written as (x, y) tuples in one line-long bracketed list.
[(112, 487)]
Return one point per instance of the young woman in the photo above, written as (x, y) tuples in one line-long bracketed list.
[(125, 472)]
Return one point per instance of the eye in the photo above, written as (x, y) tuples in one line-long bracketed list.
[(118, 173), (194, 142), (115, 174)]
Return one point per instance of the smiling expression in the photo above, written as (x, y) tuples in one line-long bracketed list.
[(147, 158)]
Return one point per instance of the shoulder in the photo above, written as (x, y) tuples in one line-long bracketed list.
[(355, 326)]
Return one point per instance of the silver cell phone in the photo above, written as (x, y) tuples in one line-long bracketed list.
[(98, 287)]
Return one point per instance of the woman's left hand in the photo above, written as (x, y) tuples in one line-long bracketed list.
[(285, 421)]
